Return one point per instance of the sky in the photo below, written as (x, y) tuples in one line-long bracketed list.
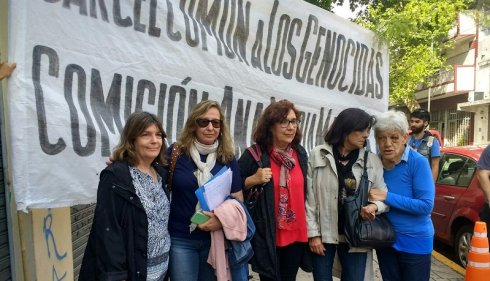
[(344, 11)]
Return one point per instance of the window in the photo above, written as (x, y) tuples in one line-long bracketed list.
[(456, 170)]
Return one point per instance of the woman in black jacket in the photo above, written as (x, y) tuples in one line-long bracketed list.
[(129, 239), (278, 187)]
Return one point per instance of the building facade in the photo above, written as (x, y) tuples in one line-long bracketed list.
[(458, 98)]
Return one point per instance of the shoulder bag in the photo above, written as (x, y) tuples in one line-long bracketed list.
[(378, 233), (252, 195)]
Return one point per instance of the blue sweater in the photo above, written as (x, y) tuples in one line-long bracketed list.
[(410, 196)]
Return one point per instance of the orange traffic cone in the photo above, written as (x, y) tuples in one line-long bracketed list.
[(478, 267)]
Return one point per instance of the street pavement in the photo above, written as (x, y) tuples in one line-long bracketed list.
[(442, 270)]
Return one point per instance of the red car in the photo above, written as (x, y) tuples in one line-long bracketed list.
[(459, 198)]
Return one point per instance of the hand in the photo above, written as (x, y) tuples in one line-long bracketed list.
[(263, 175), (6, 69), (212, 224), (369, 212), (316, 245), (109, 161), (376, 194)]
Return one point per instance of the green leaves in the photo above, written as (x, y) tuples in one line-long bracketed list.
[(416, 32)]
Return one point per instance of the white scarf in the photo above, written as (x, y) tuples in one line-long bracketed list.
[(203, 172)]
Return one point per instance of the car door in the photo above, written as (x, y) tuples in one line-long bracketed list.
[(450, 186)]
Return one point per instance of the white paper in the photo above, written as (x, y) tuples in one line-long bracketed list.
[(216, 190)]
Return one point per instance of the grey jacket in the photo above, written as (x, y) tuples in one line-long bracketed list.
[(323, 190)]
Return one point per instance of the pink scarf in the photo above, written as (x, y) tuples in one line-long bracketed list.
[(286, 216)]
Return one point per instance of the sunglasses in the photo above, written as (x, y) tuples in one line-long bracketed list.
[(203, 123)]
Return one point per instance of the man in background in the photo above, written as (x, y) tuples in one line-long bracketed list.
[(423, 141), (483, 174)]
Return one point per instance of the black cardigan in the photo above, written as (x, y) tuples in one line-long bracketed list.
[(264, 260), (118, 241)]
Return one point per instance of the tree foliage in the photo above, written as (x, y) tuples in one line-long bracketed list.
[(416, 32)]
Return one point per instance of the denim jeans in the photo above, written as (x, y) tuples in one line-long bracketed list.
[(353, 264), (188, 260), (401, 266), (240, 272)]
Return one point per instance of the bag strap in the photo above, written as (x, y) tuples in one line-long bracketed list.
[(256, 154), (172, 162), (364, 177)]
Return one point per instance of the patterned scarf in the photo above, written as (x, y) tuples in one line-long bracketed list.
[(286, 216)]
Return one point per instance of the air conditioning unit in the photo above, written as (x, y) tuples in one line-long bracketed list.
[(477, 95)]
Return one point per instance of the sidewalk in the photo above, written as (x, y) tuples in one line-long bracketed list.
[(439, 272)]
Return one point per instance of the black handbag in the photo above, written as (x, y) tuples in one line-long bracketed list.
[(364, 233), (253, 194)]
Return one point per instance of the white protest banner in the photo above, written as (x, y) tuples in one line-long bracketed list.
[(84, 66)]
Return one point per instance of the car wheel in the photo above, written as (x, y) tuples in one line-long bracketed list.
[(462, 243)]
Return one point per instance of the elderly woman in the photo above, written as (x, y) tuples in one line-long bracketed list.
[(279, 214), (203, 148), (335, 170), (411, 198), (129, 239)]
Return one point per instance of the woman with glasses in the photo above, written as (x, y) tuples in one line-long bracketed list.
[(277, 191), (335, 170), (203, 148)]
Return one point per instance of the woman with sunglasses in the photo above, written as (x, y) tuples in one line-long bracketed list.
[(203, 148), (278, 189)]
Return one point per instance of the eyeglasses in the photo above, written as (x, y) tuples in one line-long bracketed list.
[(285, 123), (203, 123)]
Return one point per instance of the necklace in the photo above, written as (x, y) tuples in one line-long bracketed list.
[(344, 157)]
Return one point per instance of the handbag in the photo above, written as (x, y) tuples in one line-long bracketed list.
[(252, 195), (378, 233)]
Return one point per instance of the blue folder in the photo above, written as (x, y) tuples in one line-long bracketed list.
[(200, 191)]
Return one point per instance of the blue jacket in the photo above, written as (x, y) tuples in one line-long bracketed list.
[(241, 252)]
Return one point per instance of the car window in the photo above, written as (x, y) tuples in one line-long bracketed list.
[(467, 173), (456, 170)]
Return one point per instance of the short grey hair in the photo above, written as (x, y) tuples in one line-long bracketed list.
[(391, 120)]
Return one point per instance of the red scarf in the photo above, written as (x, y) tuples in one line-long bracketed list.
[(286, 216)]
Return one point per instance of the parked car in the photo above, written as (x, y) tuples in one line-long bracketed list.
[(459, 198)]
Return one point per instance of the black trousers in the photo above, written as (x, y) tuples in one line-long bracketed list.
[(485, 214), (289, 259)]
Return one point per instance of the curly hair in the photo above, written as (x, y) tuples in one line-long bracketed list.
[(136, 124), (275, 113), (349, 120), (391, 120), (225, 152)]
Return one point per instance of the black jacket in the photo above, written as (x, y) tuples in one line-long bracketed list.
[(117, 245), (264, 260)]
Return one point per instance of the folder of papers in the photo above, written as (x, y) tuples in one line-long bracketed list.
[(215, 190)]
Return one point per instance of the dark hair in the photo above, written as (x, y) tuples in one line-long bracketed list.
[(421, 113), (348, 121), (136, 124), (274, 113)]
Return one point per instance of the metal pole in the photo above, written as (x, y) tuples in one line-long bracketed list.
[(430, 79), (428, 98)]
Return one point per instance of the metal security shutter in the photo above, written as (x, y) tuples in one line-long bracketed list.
[(81, 222), (5, 273)]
